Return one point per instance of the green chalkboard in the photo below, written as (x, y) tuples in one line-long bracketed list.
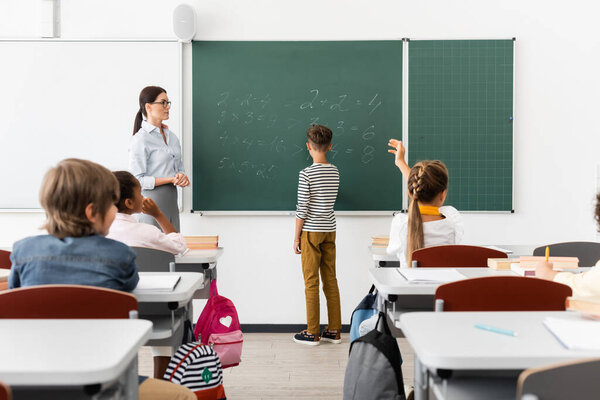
[(460, 111), (252, 105)]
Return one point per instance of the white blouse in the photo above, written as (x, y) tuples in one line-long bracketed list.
[(150, 157), (126, 229), (449, 230)]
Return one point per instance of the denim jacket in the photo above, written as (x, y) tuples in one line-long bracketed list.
[(89, 260)]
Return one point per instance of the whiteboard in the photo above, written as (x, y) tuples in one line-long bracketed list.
[(62, 99)]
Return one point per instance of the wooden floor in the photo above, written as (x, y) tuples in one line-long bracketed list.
[(274, 367)]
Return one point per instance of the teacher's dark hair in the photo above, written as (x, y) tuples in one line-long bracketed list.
[(147, 95)]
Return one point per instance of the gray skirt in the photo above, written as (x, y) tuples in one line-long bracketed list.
[(165, 197)]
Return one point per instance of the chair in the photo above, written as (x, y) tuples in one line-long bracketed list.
[(5, 259), (502, 293), (587, 252), (454, 256), (66, 301), (571, 380), (152, 260), (5, 393)]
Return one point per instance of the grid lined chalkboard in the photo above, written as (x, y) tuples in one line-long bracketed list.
[(252, 105), (460, 111)]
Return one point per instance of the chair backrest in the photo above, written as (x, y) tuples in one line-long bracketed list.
[(66, 301), (5, 393), (587, 252), (572, 380), (454, 256), (5, 259), (152, 260), (503, 293)]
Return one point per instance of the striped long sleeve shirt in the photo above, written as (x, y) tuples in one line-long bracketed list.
[(317, 190)]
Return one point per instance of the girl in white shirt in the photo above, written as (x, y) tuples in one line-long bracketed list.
[(428, 222), (128, 230)]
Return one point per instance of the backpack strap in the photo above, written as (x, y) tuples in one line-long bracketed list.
[(372, 289), (182, 360), (213, 288)]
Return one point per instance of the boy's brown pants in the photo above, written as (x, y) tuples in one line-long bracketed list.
[(318, 254)]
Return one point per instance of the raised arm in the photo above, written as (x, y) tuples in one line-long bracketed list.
[(399, 156)]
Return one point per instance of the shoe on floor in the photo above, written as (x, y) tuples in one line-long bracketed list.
[(331, 336), (306, 338)]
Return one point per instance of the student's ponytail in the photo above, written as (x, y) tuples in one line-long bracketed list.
[(149, 94), (427, 179), (415, 238)]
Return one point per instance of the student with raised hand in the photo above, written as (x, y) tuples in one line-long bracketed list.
[(79, 199), (586, 284), (429, 222), (155, 155), (128, 230)]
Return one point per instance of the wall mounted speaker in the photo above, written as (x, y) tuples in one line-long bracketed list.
[(184, 22)]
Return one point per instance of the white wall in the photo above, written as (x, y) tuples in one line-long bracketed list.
[(557, 133)]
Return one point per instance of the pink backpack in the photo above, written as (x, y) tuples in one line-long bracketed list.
[(219, 327)]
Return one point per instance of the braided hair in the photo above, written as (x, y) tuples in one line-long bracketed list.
[(427, 179)]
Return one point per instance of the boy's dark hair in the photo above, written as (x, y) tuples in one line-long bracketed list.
[(319, 137), (127, 183), (66, 191)]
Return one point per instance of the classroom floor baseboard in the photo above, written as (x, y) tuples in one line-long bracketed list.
[(281, 328)]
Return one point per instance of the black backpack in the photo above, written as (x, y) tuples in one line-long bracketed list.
[(374, 368)]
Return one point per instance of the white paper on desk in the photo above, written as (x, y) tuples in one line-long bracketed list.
[(575, 334), (417, 275), (158, 283), (507, 251)]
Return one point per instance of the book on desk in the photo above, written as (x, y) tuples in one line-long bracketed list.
[(158, 283)]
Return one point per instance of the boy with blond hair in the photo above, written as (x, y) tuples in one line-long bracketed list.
[(315, 237)]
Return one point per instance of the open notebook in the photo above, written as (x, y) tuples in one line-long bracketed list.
[(575, 334), (441, 275), (158, 283)]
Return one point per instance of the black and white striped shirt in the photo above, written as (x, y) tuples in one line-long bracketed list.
[(317, 191)]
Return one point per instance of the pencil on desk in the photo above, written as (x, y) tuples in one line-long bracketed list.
[(547, 253)]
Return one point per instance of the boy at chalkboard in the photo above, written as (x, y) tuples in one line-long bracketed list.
[(315, 237)]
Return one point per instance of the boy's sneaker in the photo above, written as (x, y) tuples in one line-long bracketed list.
[(306, 338), (331, 336)]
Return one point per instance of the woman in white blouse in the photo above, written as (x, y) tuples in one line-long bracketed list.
[(429, 222), (155, 155)]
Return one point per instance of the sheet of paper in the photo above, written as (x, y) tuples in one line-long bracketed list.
[(507, 251), (441, 275), (575, 335), (158, 283)]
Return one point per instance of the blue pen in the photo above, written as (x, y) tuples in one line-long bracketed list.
[(496, 330)]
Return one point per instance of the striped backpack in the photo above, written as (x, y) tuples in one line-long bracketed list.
[(197, 367)]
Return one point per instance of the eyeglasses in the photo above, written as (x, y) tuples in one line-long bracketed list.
[(164, 103)]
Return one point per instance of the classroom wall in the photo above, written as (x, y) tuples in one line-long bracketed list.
[(557, 133)]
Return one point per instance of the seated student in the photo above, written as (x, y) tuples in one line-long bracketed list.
[(126, 229), (584, 284), (79, 199), (428, 222)]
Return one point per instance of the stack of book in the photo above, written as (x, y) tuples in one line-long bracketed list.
[(380, 242), (527, 264), (589, 306), (202, 242), (501, 263)]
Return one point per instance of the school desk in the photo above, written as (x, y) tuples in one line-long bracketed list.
[(396, 293), (60, 356), (169, 310), (382, 259), (447, 345), (200, 260)]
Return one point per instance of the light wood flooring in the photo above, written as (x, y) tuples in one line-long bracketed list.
[(274, 367)]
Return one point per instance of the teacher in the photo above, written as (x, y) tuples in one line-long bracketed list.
[(155, 155)]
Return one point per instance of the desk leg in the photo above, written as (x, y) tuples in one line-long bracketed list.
[(131, 380), (421, 381)]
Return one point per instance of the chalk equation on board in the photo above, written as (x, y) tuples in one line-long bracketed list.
[(239, 115)]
